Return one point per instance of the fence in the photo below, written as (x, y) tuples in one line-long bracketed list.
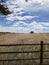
[(14, 52)]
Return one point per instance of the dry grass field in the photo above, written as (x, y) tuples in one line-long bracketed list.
[(22, 39)]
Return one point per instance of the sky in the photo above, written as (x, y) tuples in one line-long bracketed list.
[(26, 16)]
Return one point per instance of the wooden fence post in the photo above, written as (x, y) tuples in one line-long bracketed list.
[(41, 52)]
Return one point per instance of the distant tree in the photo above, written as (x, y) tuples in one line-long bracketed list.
[(32, 32), (26, 0)]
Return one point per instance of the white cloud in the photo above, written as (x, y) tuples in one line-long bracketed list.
[(37, 27), (44, 23), (17, 27), (19, 7), (33, 5), (14, 29), (12, 17), (20, 23), (33, 25)]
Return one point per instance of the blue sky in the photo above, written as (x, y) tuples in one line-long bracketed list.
[(26, 16)]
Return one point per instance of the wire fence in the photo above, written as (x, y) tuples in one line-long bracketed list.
[(40, 58)]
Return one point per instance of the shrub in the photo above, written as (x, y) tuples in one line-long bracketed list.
[(32, 32)]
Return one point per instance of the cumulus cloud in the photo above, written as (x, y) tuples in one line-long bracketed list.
[(37, 27), (20, 24), (31, 5), (20, 7), (45, 23), (18, 27), (12, 17), (14, 29), (34, 25)]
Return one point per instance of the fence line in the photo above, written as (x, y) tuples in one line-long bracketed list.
[(13, 52)]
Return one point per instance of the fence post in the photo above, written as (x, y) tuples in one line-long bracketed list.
[(41, 52)]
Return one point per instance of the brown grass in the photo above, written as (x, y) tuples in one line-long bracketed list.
[(22, 39)]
